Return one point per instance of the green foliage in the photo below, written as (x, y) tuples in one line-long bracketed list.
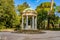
[(42, 11), (8, 16), (21, 7), (42, 15), (58, 9), (45, 6)]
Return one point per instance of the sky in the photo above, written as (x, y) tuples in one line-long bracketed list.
[(34, 3)]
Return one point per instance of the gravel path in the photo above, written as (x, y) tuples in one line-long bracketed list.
[(49, 35)]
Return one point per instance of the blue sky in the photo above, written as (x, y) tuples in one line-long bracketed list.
[(34, 3)]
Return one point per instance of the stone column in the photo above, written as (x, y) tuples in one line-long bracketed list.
[(22, 22), (36, 23), (26, 22), (33, 22)]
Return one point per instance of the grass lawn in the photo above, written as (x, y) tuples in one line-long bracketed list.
[(6, 30)]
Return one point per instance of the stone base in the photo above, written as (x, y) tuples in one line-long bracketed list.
[(30, 31), (29, 28)]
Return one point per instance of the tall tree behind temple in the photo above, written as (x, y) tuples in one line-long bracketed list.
[(21, 7)]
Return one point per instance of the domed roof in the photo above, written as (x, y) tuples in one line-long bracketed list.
[(28, 10)]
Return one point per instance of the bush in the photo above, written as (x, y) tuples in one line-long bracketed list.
[(2, 27)]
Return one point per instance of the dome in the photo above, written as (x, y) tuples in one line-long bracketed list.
[(28, 10)]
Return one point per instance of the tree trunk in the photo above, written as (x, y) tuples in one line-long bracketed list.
[(50, 13), (48, 23)]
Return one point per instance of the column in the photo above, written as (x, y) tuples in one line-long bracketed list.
[(26, 22), (33, 22), (36, 23), (22, 22)]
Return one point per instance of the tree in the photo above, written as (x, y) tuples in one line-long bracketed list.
[(2, 19), (8, 15), (58, 9), (21, 7), (42, 15), (46, 6), (49, 13)]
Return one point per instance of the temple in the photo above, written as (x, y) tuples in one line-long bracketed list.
[(29, 19)]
